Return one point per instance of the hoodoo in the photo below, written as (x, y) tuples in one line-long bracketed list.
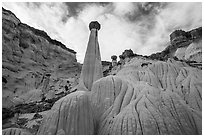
[(160, 94), (92, 67)]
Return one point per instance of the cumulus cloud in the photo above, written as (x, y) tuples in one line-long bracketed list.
[(142, 27)]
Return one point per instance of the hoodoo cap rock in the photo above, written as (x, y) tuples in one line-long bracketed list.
[(95, 25)]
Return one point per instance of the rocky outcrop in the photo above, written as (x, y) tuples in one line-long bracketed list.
[(28, 55), (178, 37), (128, 53), (188, 44), (193, 52), (180, 41)]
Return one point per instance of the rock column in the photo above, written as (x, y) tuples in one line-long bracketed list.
[(122, 61), (92, 67), (114, 60)]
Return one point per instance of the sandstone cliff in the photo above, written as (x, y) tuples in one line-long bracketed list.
[(33, 64)]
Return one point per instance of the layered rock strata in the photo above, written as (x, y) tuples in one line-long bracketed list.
[(28, 56)]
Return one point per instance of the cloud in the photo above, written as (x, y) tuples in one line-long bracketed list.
[(142, 27), (174, 16), (74, 8)]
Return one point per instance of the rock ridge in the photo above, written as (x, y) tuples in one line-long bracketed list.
[(37, 32)]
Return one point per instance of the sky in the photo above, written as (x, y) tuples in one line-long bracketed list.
[(143, 27)]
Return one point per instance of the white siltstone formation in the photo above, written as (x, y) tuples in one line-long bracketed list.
[(71, 115), (92, 67), (156, 98)]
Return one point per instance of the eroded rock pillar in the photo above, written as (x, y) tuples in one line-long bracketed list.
[(114, 60), (92, 67), (122, 59)]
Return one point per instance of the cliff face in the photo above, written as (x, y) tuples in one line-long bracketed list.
[(33, 64)]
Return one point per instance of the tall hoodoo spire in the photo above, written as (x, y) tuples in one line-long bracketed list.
[(92, 67)]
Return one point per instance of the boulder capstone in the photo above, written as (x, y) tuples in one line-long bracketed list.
[(95, 25)]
